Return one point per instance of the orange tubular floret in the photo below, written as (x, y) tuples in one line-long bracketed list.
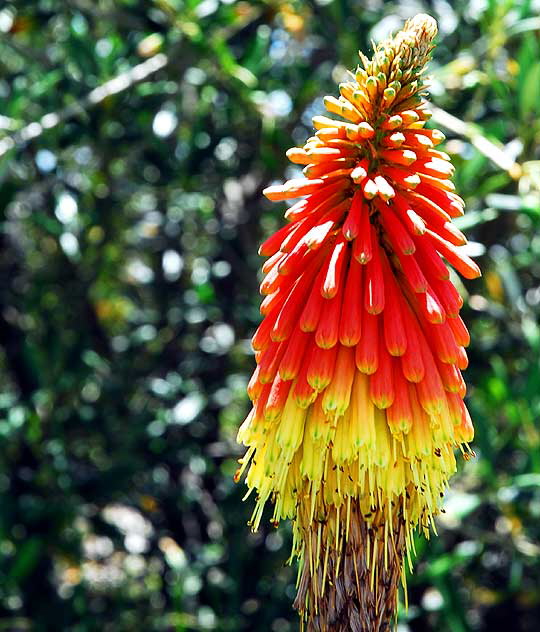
[(448, 296), (367, 349), (429, 306), (430, 390), (393, 326), (260, 402), (460, 261), (359, 173), (397, 234), (316, 207), (292, 189), (322, 154), (381, 383), (461, 334), (272, 261), (412, 272), (270, 360), (299, 209), (334, 272), (428, 258), (295, 259), (363, 244), (465, 432), (451, 202), (303, 393), (434, 219), (412, 363), (271, 246), (384, 190), (338, 174), (292, 307), (302, 226), (403, 157), (351, 227), (435, 135), (327, 134), (291, 359), (463, 360), (443, 185), (261, 338), (295, 235), (323, 199), (327, 332), (337, 396), (399, 416), (418, 139), (405, 178), (423, 205), (301, 258), (392, 122), (369, 188), (409, 117), (443, 342), (254, 387), (449, 232), (434, 167), (321, 367), (273, 301), (319, 233), (324, 168), (455, 408), (313, 307), (374, 286), (298, 156), (365, 130), (393, 140), (344, 144), (451, 378), (350, 326), (277, 397), (411, 220)]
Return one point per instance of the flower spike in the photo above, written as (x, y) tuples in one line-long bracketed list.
[(358, 394)]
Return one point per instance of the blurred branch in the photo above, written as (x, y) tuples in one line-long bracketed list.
[(12, 336), (39, 57), (116, 16), (8, 123), (127, 79), (486, 147), (217, 42), (117, 84), (523, 26)]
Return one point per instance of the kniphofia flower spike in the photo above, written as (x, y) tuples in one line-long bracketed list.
[(358, 393)]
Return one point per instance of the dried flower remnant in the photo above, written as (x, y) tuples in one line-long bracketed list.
[(358, 393)]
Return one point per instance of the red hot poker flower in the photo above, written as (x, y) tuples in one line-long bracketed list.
[(358, 394)]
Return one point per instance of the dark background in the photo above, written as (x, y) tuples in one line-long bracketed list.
[(129, 228)]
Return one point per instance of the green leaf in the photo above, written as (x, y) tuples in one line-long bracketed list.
[(529, 96), (25, 559)]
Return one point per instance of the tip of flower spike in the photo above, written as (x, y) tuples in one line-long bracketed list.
[(423, 25), (402, 56)]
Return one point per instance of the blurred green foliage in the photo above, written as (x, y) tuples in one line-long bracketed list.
[(128, 294)]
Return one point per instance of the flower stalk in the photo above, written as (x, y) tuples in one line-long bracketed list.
[(358, 393)]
